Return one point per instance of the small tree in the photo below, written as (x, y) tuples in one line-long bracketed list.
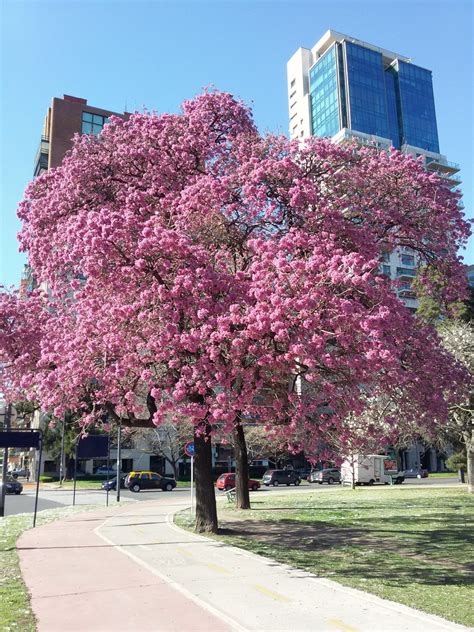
[(458, 338), (167, 441)]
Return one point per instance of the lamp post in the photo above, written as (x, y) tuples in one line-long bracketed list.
[(8, 413), (119, 435)]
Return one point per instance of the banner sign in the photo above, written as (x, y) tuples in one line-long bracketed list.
[(20, 439), (93, 447)]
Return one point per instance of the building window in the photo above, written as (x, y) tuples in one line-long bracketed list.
[(386, 271), (292, 84), (408, 260), (386, 257), (406, 272), (93, 123)]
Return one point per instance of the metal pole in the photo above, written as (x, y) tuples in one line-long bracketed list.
[(5, 463), (192, 487), (61, 464), (75, 474), (38, 480), (119, 434), (108, 468)]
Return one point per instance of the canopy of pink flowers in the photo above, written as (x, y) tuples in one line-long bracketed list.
[(197, 269)]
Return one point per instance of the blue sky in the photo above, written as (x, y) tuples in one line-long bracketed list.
[(134, 54)]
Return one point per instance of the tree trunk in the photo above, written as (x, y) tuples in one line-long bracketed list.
[(468, 438), (206, 511), (241, 469)]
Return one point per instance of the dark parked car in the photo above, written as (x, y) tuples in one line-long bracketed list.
[(112, 483), (329, 476), (303, 472), (136, 481), (12, 486), (416, 472), (281, 477)]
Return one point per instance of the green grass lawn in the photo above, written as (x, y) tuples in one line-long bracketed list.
[(15, 609), (410, 545)]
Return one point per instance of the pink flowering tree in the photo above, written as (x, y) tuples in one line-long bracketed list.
[(197, 270)]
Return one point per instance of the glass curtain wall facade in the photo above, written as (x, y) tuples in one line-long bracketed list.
[(367, 100), (324, 95), (351, 87), (417, 107)]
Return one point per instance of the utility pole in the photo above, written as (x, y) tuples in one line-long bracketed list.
[(8, 413), (61, 464), (119, 436)]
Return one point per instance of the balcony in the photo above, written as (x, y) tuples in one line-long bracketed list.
[(442, 165), (41, 158), (406, 272)]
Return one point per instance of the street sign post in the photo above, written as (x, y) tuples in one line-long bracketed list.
[(19, 439), (92, 446), (189, 449)]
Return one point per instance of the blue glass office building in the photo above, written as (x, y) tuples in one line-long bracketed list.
[(359, 88)]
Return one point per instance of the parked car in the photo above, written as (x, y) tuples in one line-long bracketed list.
[(281, 477), (227, 481), (303, 472), (136, 481), (416, 472), (112, 483), (19, 472), (12, 486), (329, 476), (103, 470)]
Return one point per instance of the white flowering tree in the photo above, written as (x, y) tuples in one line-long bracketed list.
[(458, 339)]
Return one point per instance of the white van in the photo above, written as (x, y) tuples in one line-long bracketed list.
[(369, 469)]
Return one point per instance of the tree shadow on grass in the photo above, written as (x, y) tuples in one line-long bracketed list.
[(386, 552)]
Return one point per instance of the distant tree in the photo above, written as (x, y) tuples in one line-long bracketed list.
[(168, 441), (458, 339), (52, 442)]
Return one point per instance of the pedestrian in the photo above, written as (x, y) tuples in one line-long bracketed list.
[(27, 475)]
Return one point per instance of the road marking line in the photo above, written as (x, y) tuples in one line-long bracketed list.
[(218, 569), (143, 546), (184, 551), (236, 627), (341, 625), (271, 593)]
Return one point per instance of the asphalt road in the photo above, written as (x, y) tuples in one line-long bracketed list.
[(48, 499)]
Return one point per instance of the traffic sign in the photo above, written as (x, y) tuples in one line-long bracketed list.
[(189, 448)]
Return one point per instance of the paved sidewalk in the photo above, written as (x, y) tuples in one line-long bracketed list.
[(132, 569)]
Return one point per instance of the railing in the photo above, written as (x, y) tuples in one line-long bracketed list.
[(43, 148), (406, 272)]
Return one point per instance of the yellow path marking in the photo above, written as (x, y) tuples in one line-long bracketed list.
[(341, 625), (219, 569), (271, 593), (184, 551)]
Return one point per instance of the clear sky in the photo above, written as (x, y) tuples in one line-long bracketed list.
[(135, 54)]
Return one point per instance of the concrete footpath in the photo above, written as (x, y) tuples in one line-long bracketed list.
[(131, 568)]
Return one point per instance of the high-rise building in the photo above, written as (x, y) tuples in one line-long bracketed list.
[(346, 89), (65, 118)]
